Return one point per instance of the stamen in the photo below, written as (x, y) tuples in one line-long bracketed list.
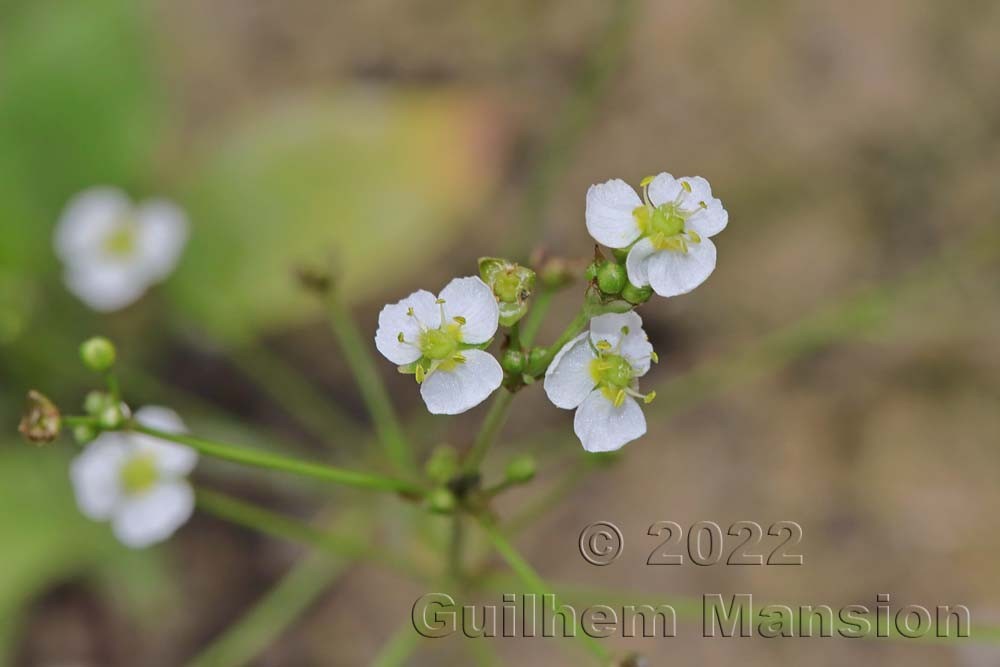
[(654, 357), (619, 398), (686, 185), (625, 330), (649, 397), (419, 374), (400, 337), (603, 345), (459, 319), (409, 312)]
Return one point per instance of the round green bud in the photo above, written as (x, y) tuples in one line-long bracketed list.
[(612, 278), (95, 402), (98, 354), (636, 295), (111, 417), (441, 501), (84, 433), (442, 465), (513, 361), (521, 469), (535, 359)]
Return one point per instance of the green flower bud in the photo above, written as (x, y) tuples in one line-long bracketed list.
[(636, 295), (511, 283), (95, 402), (111, 417), (441, 501), (535, 359), (612, 278), (41, 421), (442, 465), (521, 469), (98, 354), (84, 433), (512, 361)]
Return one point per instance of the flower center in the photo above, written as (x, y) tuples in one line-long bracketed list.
[(612, 373), (139, 474), (664, 224), (440, 344), (121, 242)]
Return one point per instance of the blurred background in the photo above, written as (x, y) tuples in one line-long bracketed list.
[(839, 369)]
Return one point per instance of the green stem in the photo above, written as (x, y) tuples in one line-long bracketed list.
[(534, 582), (533, 321), (258, 459), (492, 424), (399, 647), (283, 527), (358, 356)]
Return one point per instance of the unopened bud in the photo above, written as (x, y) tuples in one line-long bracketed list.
[(521, 469), (513, 361), (611, 278), (41, 420), (636, 295), (95, 402), (98, 354), (113, 416), (441, 501), (442, 465), (84, 433)]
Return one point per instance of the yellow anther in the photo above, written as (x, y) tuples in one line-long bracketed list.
[(646, 181), (419, 374), (625, 330), (400, 338), (702, 204), (439, 301), (693, 236), (459, 357), (459, 319), (409, 311), (619, 398), (686, 186), (603, 345), (649, 397), (654, 357)]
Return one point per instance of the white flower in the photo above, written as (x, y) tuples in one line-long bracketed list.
[(439, 340), (667, 231), (113, 250), (597, 374), (137, 482)]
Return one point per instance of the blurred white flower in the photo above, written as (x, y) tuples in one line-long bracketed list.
[(597, 374), (113, 250), (667, 231), (137, 482), (438, 340)]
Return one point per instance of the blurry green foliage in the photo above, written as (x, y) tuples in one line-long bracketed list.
[(370, 183)]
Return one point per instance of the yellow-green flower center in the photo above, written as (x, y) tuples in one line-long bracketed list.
[(121, 242), (440, 344), (613, 374), (139, 474), (664, 226)]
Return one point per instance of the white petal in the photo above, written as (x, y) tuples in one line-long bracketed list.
[(567, 379), (153, 516), (171, 458), (609, 213), (464, 387), (673, 273), (708, 221), (637, 265), (395, 319), (663, 189), (95, 474), (612, 327), (602, 427), (472, 299), (86, 221), (105, 286), (163, 231)]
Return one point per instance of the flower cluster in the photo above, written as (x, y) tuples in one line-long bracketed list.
[(663, 240)]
